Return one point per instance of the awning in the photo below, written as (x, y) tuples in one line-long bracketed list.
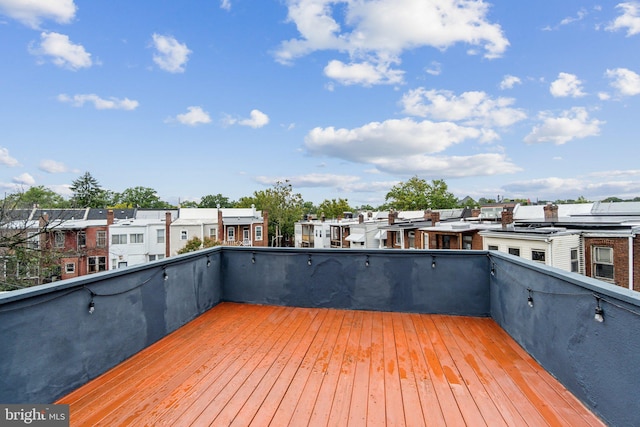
[(356, 238), (381, 235)]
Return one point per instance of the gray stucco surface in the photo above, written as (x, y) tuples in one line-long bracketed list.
[(50, 344)]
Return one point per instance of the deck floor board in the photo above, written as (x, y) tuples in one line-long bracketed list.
[(242, 364)]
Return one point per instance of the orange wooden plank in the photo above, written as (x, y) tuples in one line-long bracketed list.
[(204, 394), (485, 404), (305, 384), (566, 403), (247, 380), (429, 403), (446, 398), (491, 373), (343, 392), (376, 407), (392, 388), (360, 390), (411, 403), (263, 402)]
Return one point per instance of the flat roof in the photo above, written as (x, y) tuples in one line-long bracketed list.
[(245, 364)]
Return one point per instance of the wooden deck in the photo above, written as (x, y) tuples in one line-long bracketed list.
[(241, 364)]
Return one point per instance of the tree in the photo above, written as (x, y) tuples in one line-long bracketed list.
[(195, 244), (284, 207), (418, 194), (140, 197), (87, 193), (334, 208), (212, 201), (40, 196)]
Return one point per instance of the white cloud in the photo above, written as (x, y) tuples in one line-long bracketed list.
[(566, 85), (225, 4), (449, 166), (604, 96), (170, 55), (625, 81), (24, 179), (435, 69), (571, 124), (6, 159), (62, 51), (195, 116), (570, 188), (395, 138), (99, 103), (62, 189), (310, 180), (33, 12), (615, 173), (470, 108), (52, 166), (508, 82), (363, 73), (571, 19), (629, 20), (257, 119), (374, 34)]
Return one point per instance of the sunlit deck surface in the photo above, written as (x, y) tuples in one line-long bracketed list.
[(242, 364)]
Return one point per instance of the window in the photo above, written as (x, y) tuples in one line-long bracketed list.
[(538, 255), (335, 233), (97, 263), (603, 263), (231, 234), (70, 268), (59, 239), (514, 251), (136, 238), (82, 239), (258, 233), (184, 235), (446, 242), (492, 247), (159, 235), (119, 239), (101, 239), (155, 257), (122, 264), (467, 242), (575, 264), (213, 233), (33, 241), (398, 240)]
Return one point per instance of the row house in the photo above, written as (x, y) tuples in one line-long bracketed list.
[(141, 239), (229, 226), (79, 237), (597, 240)]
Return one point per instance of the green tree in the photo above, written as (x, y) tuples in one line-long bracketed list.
[(140, 197), (417, 194), (39, 195), (195, 244), (334, 208), (284, 207), (213, 200), (87, 193)]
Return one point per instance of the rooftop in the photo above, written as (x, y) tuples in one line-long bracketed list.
[(242, 335), (241, 364)]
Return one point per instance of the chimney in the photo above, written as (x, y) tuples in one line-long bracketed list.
[(265, 228), (221, 236), (550, 212), (167, 234), (507, 218), (43, 221), (360, 218), (322, 218), (392, 217), (427, 214), (110, 217), (435, 218), (475, 212)]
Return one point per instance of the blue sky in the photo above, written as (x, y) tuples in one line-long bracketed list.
[(538, 100)]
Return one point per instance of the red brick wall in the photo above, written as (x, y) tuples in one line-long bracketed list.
[(620, 247)]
